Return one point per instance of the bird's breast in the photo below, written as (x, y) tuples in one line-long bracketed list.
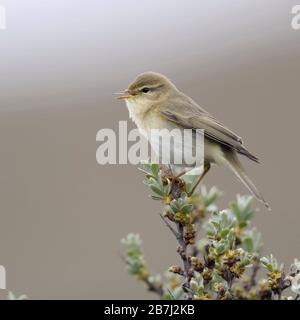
[(145, 117)]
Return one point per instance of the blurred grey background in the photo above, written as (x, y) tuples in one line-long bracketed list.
[(62, 214)]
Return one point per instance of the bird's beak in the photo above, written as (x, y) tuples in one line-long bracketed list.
[(123, 95)]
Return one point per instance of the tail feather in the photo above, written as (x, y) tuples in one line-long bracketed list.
[(246, 153), (235, 165)]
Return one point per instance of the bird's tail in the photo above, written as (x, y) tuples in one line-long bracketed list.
[(232, 161)]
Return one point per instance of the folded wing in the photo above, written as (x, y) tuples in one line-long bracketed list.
[(188, 114)]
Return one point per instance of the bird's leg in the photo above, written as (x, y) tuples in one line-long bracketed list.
[(176, 182), (206, 169), (166, 171), (180, 174)]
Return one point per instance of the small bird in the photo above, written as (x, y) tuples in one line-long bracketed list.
[(154, 102)]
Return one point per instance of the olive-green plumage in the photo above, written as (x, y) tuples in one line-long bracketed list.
[(154, 102)]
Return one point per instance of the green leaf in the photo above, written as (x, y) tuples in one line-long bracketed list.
[(174, 206), (224, 232), (210, 197), (156, 197), (222, 247), (248, 245), (156, 190), (187, 208), (155, 182), (242, 210), (155, 169)]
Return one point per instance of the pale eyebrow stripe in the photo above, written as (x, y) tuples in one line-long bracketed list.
[(151, 87)]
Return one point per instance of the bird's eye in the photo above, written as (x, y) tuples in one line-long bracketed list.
[(145, 90)]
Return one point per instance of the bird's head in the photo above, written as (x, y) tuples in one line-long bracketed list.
[(148, 88)]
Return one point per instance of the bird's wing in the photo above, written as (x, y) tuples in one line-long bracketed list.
[(188, 114)]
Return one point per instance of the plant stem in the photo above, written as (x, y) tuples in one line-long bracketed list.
[(186, 263), (252, 281), (182, 250)]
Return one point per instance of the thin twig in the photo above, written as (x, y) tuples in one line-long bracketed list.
[(186, 263), (151, 287), (176, 234), (254, 274), (252, 281), (179, 235)]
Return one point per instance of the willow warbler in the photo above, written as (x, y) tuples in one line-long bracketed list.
[(154, 102)]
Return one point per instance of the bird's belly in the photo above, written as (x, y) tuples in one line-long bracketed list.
[(213, 153), (177, 146)]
